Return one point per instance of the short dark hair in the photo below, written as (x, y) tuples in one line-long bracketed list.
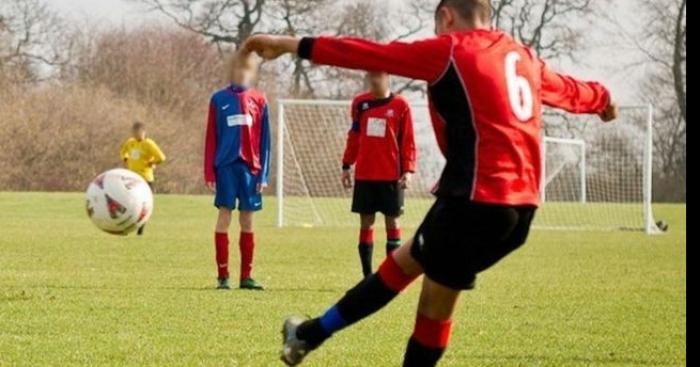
[(138, 126), (468, 9)]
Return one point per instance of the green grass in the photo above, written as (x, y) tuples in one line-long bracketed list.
[(72, 296)]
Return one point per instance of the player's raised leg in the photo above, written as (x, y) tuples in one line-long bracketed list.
[(365, 248), (221, 245), (374, 292), (433, 326)]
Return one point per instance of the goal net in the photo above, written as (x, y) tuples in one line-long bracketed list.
[(596, 176)]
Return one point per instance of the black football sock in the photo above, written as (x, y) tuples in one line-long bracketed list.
[(366, 250), (418, 355), (312, 333)]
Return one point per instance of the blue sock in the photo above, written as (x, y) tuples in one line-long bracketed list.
[(332, 321)]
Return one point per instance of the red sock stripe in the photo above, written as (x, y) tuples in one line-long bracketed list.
[(393, 234), (431, 333), (393, 276), (367, 236)]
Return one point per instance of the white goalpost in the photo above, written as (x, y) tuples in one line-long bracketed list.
[(596, 176), (577, 146)]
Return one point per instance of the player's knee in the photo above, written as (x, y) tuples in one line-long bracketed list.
[(367, 221), (245, 220), (403, 258), (224, 220), (437, 301)]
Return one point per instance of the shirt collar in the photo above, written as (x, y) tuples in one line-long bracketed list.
[(237, 88)]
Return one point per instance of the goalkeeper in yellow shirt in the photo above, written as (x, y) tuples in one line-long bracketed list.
[(141, 155)]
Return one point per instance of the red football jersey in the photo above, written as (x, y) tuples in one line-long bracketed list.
[(486, 96), (380, 143)]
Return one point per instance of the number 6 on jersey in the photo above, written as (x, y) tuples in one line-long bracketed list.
[(519, 89)]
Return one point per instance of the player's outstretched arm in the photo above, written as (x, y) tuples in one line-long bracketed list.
[(270, 47), (576, 96), (424, 60)]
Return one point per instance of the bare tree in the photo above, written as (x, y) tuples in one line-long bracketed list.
[(229, 23), (664, 44), (662, 41), (550, 27), (30, 39)]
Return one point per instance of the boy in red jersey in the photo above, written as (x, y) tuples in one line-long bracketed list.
[(382, 148), (237, 164), (486, 97)]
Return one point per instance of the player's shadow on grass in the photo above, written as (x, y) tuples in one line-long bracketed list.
[(591, 361)]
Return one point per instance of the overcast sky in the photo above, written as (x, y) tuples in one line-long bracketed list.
[(604, 56)]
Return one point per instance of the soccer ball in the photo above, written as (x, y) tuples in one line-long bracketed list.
[(119, 201)]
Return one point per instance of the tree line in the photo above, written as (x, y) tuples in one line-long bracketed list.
[(68, 93)]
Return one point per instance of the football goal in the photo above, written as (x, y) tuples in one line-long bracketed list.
[(596, 176)]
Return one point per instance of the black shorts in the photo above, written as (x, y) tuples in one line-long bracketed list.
[(459, 239), (370, 197)]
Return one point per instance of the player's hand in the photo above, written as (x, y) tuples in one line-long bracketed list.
[(211, 186), (405, 180), (260, 188), (270, 47), (611, 112), (346, 179)]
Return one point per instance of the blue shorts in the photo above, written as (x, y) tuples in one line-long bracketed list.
[(235, 183)]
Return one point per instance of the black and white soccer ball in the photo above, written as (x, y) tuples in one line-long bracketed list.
[(119, 201), (662, 225)]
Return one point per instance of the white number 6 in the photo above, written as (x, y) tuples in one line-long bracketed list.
[(519, 90)]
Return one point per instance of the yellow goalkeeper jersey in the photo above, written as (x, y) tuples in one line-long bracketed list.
[(142, 156)]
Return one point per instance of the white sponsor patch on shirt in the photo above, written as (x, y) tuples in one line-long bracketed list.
[(376, 127), (238, 120), (135, 154)]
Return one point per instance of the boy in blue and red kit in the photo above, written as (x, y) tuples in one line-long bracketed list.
[(381, 146), (237, 164)]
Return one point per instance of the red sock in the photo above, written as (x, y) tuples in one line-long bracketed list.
[(367, 236), (393, 276), (431, 333), (246, 245), (221, 241), (393, 234)]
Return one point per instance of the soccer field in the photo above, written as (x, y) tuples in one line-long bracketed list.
[(73, 296)]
